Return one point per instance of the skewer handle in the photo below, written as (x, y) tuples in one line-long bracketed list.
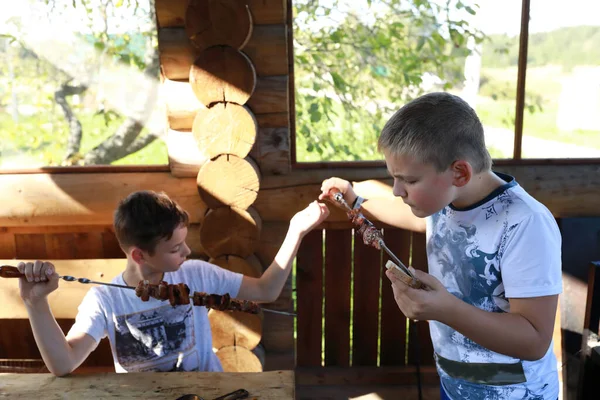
[(8, 271)]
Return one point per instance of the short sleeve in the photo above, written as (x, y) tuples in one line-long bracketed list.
[(531, 261), (210, 278), (91, 318)]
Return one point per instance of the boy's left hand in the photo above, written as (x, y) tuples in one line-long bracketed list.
[(304, 221), (421, 304)]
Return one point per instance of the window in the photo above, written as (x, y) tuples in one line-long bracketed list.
[(78, 84), (357, 62)]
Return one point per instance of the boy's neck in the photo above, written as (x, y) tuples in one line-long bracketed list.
[(478, 188), (135, 273)]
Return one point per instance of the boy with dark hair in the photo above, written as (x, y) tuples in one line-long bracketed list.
[(493, 253), (153, 335)]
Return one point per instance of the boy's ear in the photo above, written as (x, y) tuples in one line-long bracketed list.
[(462, 172), (137, 255)]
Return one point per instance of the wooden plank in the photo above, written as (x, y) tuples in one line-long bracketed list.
[(85, 199), (425, 349), (268, 41), (271, 151), (66, 299), (8, 247), (278, 333), (182, 105), (110, 246), (171, 13), (365, 319), (274, 385), (404, 375), (30, 246), (393, 321), (338, 269), (267, 48), (275, 120), (366, 392), (17, 342), (55, 229), (60, 246), (309, 284), (270, 95), (74, 245)]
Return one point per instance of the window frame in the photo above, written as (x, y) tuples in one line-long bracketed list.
[(517, 158)]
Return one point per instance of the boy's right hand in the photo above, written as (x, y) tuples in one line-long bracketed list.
[(40, 280), (340, 184)]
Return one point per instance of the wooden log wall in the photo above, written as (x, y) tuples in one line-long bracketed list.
[(248, 66), (225, 75)]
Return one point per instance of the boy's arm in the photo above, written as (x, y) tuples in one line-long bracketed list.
[(268, 287), (60, 354), (393, 211), (525, 332), (381, 204)]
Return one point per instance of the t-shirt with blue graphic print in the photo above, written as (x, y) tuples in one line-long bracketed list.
[(506, 246)]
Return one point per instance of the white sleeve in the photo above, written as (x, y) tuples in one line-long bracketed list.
[(531, 263), (212, 279), (91, 318)]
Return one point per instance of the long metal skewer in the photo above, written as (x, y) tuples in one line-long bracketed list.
[(339, 198), (8, 271)]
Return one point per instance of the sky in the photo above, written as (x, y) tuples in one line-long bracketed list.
[(495, 16), (504, 16)]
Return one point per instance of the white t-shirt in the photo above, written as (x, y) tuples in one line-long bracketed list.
[(153, 335), (506, 246)]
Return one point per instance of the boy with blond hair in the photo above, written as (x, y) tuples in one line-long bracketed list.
[(152, 336), (493, 253)]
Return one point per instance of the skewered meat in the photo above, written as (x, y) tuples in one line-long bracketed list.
[(370, 234), (179, 294)]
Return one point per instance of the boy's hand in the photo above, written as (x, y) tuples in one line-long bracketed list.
[(342, 185), (421, 304), (308, 218), (40, 280)]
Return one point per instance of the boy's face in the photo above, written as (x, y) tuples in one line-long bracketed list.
[(420, 185), (169, 254)]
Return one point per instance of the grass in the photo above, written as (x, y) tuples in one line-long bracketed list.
[(542, 84), (41, 140)]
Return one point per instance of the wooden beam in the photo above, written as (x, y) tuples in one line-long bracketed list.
[(65, 300), (90, 199), (85, 199), (171, 13), (404, 375), (267, 48)]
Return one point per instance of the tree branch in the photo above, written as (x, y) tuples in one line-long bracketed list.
[(75, 130)]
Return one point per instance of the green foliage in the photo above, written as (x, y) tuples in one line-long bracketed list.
[(34, 130), (38, 140), (353, 71), (567, 47)]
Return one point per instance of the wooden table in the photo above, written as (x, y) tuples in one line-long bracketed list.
[(270, 385)]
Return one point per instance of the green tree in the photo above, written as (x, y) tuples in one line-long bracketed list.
[(115, 34), (353, 68)]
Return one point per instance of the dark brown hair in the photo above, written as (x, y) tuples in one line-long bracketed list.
[(143, 218), (437, 128)]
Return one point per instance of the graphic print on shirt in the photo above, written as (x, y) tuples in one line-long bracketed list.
[(158, 339), (473, 276)]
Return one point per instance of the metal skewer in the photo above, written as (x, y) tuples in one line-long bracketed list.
[(88, 281), (339, 198), (9, 271)]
